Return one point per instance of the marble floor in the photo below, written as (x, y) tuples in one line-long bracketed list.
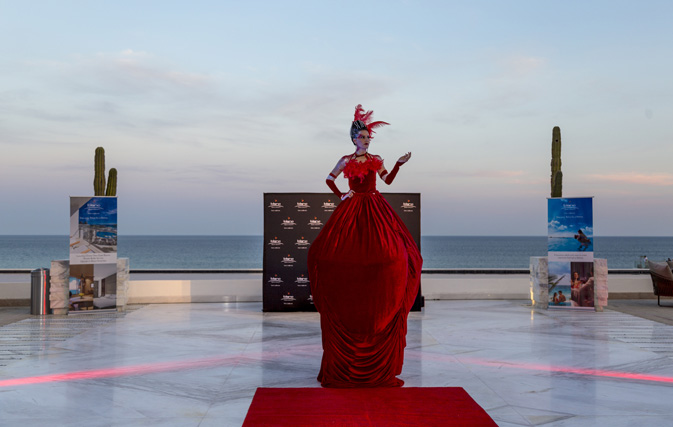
[(199, 364)]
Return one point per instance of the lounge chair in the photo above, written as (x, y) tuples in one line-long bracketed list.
[(662, 279)]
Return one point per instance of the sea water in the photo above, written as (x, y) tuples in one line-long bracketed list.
[(245, 252), (569, 244)]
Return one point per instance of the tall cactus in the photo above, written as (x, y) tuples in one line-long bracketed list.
[(556, 174), (99, 176), (112, 183), (99, 172)]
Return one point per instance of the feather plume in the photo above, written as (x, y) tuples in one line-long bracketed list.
[(374, 125), (359, 112), (366, 117)]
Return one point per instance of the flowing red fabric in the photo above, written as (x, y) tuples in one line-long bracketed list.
[(364, 269)]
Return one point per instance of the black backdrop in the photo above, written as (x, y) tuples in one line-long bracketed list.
[(291, 222)]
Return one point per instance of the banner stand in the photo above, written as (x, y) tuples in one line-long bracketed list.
[(92, 277), (570, 245)]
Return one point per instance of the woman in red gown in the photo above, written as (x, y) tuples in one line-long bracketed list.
[(364, 269)]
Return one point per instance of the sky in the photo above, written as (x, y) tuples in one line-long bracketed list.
[(204, 106)]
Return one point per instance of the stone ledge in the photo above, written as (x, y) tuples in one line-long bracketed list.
[(248, 288)]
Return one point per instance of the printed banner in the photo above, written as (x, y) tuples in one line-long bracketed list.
[(570, 252), (93, 230), (93, 253), (292, 221)]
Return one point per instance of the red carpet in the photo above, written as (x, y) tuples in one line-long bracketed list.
[(426, 406)]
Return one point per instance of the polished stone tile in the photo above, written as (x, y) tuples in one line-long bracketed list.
[(200, 364)]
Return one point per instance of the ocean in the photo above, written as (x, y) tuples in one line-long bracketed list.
[(244, 252)]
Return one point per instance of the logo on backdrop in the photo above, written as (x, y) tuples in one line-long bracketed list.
[(275, 243), (329, 206), (288, 224), (288, 299), (288, 261), (302, 206), (315, 223), (408, 206), (275, 206), (302, 281), (302, 243), (275, 281)]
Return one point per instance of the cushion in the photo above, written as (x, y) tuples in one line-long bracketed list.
[(660, 269)]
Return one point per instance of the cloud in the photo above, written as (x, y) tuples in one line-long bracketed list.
[(484, 173), (521, 66), (658, 179), (128, 89), (118, 73), (325, 91), (506, 87), (130, 72)]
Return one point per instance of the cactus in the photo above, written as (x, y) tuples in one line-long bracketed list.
[(112, 183), (99, 176), (99, 172), (556, 174)]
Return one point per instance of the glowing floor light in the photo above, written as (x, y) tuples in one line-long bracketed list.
[(210, 362)]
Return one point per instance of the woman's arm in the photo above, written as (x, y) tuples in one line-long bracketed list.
[(388, 177), (333, 175)]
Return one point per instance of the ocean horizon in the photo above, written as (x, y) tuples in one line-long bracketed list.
[(245, 252)]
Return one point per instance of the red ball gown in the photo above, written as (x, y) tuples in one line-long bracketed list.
[(364, 270)]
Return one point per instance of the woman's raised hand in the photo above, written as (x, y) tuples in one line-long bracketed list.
[(405, 158)]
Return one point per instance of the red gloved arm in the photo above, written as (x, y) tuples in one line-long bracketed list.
[(332, 185), (389, 177)]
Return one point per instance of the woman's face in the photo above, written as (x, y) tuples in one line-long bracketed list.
[(577, 275), (362, 140)]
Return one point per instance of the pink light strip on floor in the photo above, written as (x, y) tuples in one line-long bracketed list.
[(252, 358), (121, 371), (545, 368), (159, 367), (571, 370)]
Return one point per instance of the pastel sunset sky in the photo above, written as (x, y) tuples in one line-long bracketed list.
[(203, 106)]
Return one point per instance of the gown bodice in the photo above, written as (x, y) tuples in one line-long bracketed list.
[(365, 185), (362, 175)]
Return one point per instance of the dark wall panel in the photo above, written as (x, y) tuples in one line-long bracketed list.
[(292, 221)]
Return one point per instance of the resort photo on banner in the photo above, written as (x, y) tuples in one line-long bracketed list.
[(582, 284), (93, 230), (570, 252), (92, 287), (570, 229)]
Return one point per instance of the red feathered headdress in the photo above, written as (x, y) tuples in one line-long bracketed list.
[(362, 120)]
